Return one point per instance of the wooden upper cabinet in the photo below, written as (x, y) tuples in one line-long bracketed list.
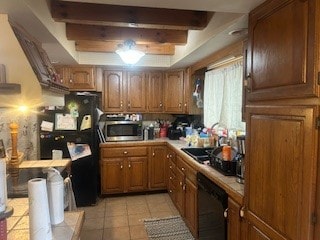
[(280, 172), (113, 97), (80, 78), (136, 92), (155, 92), (283, 50), (174, 92)]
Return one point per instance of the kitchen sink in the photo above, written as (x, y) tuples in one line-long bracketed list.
[(199, 154)]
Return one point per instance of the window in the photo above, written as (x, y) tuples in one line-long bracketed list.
[(223, 97)]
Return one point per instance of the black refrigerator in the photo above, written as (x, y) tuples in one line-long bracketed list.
[(75, 125)]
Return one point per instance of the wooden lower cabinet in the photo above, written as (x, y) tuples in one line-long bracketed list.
[(158, 167), (187, 195), (280, 172), (112, 175), (124, 170), (234, 220)]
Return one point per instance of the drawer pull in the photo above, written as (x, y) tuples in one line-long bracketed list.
[(153, 154), (129, 165), (182, 169), (121, 166), (170, 167), (125, 152)]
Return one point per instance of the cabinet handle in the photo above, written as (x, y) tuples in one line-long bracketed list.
[(121, 104), (125, 152), (129, 104), (153, 154), (70, 80), (185, 104), (184, 187), (170, 178), (247, 82), (170, 167), (129, 165), (180, 105), (225, 213), (167, 155), (121, 166), (241, 213), (160, 105), (180, 183), (182, 169), (170, 191)]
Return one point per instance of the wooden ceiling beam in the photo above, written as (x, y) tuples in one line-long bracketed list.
[(140, 36), (128, 16), (99, 46)]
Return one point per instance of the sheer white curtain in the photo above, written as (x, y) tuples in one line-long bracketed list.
[(223, 97)]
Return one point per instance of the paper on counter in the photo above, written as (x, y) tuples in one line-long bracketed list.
[(39, 217)]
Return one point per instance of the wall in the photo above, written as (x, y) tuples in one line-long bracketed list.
[(28, 131)]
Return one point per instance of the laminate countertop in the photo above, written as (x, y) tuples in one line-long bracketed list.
[(234, 189), (18, 223)]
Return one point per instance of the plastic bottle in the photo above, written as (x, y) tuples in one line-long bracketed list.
[(55, 189)]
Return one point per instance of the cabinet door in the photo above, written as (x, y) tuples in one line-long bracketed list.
[(113, 91), (136, 92), (174, 92), (82, 78), (136, 177), (191, 208), (280, 171), (155, 92), (281, 50), (112, 175), (172, 179), (157, 168), (234, 220)]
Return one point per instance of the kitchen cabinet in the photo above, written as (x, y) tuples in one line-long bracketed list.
[(124, 91), (113, 94), (136, 92), (123, 169), (186, 195), (282, 133), (234, 220), (78, 78), (283, 50), (157, 167), (155, 92), (174, 95), (280, 171)]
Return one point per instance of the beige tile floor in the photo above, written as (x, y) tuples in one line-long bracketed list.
[(121, 218)]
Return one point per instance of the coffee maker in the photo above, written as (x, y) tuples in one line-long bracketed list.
[(240, 168)]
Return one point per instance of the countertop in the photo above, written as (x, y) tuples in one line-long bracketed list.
[(234, 189), (18, 223)]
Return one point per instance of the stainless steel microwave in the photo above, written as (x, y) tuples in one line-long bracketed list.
[(123, 130)]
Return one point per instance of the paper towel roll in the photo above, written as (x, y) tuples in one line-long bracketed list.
[(39, 218), (3, 185)]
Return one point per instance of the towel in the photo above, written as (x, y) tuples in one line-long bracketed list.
[(69, 200)]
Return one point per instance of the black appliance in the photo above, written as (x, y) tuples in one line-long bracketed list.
[(85, 170), (212, 203), (174, 134)]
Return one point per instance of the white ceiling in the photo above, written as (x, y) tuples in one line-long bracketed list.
[(35, 17)]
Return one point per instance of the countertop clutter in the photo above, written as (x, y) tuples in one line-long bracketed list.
[(18, 223)]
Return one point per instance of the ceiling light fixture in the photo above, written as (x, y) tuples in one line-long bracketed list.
[(129, 55)]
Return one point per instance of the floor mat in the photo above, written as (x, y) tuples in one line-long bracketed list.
[(169, 228)]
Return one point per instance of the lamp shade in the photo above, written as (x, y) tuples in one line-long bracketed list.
[(129, 55)]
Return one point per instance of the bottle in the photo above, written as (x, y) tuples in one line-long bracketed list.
[(226, 153), (145, 134)]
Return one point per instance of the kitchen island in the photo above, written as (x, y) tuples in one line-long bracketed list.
[(18, 223)]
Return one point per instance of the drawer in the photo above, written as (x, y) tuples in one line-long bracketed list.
[(124, 152)]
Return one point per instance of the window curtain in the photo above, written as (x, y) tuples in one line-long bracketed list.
[(223, 97)]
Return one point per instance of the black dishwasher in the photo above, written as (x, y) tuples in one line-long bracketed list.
[(212, 202)]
